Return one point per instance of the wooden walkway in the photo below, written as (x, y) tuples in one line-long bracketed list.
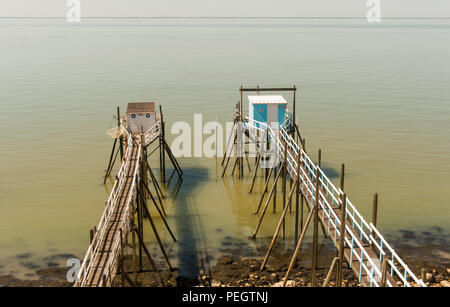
[(105, 252), (365, 249)]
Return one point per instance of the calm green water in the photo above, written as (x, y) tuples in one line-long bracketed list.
[(373, 96)]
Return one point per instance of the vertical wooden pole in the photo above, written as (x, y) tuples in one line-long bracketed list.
[(91, 236), (275, 191), (374, 215), (139, 229), (241, 164), (315, 231), (163, 124), (341, 240), (297, 197), (284, 186), (133, 241), (293, 114), (384, 269), (341, 185), (120, 138), (319, 158), (299, 244), (302, 199), (122, 269)]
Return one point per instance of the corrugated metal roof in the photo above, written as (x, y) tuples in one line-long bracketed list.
[(264, 99), (141, 107)]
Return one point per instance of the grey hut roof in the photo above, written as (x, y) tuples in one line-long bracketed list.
[(141, 107)]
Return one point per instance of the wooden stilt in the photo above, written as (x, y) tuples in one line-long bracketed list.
[(264, 190), (299, 245), (266, 205), (120, 138), (277, 230), (228, 143), (341, 240), (315, 231), (274, 210), (228, 160), (152, 263), (110, 161), (284, 187), (122, 269), (258, 158), (297, 192), (155, 231), (334, 265), (133, 238), (374, 214), (161, 215)]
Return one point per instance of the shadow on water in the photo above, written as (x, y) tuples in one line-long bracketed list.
[(329, 171), (192, 255)]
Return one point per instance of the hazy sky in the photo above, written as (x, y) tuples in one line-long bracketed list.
[(205, 8)]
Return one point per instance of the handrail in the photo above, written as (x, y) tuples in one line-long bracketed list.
[(110, 205), (361, 233)]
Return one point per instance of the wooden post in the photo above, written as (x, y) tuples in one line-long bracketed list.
[(319, 158), (139, 228), (299, 245), (266, 205), (228, 142), (341, 185), (293, 114), (315, 231), (297, 186), (91, 236), (275, 235), (275, 191), (374, 214), (330, 272), (241, 164), (341, 240), (258, 158), (152, 263), (302, 199), (122, 269), (384, 268), (120, 138), (264, 190), (155, 231), (133, 240), (284, 186), (110, 161)]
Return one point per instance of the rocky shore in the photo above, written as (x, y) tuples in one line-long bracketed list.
[(237, 265)]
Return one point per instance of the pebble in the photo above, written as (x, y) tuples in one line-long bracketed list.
[(429, 277), (445, 283), (273, 277), (289, 283)]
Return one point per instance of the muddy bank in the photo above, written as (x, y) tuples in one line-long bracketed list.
[(238, 264), (50, 277), (239, 267)]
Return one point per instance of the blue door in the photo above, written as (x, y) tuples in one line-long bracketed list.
[(281, 113), (260, 112)]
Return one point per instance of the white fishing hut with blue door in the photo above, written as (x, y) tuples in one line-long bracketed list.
[(141, 116), (269, 109)]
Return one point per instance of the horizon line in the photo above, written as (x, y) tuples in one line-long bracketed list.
[(243, 17)]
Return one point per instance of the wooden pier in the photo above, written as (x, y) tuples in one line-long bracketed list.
[(126, 208), (358, 243)]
